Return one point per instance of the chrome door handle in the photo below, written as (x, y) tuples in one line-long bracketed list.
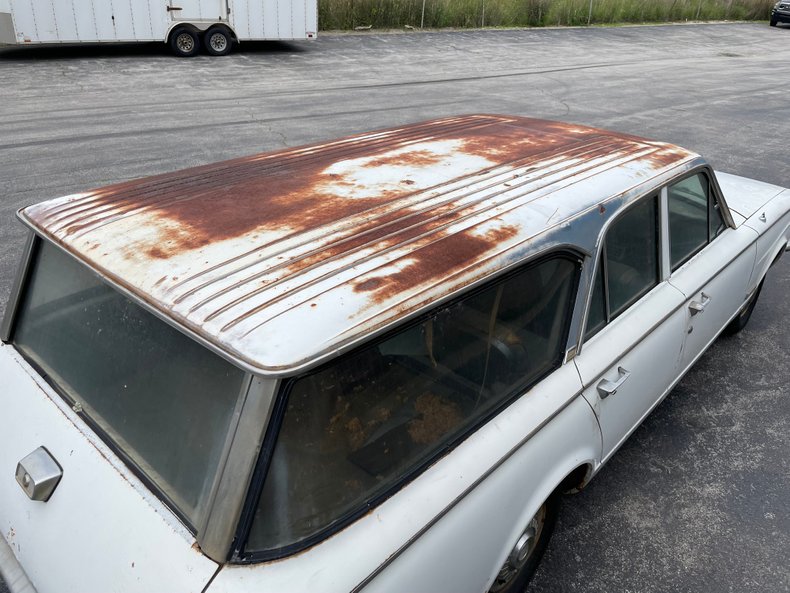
[(606, 387), (699, 306)]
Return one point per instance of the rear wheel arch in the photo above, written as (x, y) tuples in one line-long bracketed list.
[(577, 479), (518, 568)]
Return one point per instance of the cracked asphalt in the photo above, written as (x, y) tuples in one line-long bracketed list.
[(696, 500)]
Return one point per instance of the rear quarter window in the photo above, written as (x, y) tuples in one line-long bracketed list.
[(365, 423)]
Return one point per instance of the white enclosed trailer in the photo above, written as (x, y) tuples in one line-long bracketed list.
[(186, 25)]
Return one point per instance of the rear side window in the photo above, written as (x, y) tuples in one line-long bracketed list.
[(368, 421), (164, 401)]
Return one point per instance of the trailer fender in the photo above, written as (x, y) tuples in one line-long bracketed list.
[(200, 28)]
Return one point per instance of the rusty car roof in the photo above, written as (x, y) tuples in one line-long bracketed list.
[(281, 258)]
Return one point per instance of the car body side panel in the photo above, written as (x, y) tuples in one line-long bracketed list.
[(102, 530), (745, 196), (502, 452), (774, 234), (716, 278), (466, 548), (646, 342)]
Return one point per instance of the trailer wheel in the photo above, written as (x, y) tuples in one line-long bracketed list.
[(218, 41), (184, 42)]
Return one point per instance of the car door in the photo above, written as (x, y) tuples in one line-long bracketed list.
[(710, 263), (634, 329)]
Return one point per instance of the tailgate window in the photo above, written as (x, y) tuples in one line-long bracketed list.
[(162, 400)]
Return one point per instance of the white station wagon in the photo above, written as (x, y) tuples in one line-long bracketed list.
[(370, 365)]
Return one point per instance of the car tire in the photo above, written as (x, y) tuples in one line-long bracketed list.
[(745, 314), (218, 41), (184, 42), (773, 22), (516, 573)]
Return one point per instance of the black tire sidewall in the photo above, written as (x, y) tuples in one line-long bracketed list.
[(742, 319), (525, 574), (174, 45), (211, 51)]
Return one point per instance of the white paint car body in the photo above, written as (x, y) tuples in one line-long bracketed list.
[(451, 524)]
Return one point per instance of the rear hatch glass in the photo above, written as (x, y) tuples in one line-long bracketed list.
[(160, 399)]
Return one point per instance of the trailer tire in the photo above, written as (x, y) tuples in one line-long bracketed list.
[(218, 41), (185, 42)]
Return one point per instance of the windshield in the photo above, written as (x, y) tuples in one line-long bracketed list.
[(164, 401)]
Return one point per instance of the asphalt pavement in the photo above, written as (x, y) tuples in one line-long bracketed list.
[(696, 500)]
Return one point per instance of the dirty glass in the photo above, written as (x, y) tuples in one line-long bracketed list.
[(364, 423), (631, 261), (628, 266), (160, 397), (688, 218)]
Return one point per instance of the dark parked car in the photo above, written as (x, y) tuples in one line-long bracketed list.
[(780, 12)]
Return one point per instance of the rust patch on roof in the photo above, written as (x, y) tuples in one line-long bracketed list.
[(293, 191), (301, 189), (510, 142), (397, 216), (666, 155), (370, 284), (414, 158), (379, 235), (441, 258)]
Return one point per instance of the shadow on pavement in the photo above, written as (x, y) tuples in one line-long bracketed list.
[(125, 50)]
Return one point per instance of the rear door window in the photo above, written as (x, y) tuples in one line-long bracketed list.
[(629, 264)]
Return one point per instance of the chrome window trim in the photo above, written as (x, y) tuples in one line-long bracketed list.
[(20, 279), (601, 260), (604, 258), (684, 170), (714, 187), (232, 481), (241, 555), (666, 263)]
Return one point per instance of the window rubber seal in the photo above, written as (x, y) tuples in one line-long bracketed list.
[(239, 553)]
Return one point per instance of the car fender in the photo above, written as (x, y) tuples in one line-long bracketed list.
[(772, 223)]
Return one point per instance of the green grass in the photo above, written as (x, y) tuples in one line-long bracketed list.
[(386, 14)]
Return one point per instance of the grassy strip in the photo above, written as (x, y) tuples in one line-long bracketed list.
[(347, 14)]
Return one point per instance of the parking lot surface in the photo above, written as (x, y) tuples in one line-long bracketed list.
[(696, 500)]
